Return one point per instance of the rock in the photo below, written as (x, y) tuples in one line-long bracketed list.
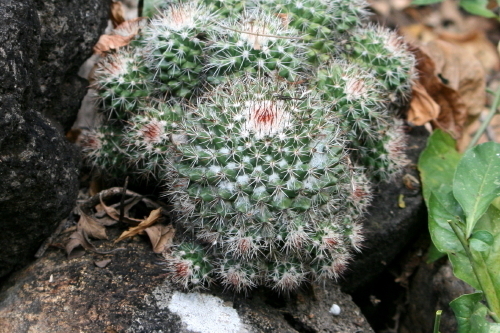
[(388, 227), (132, 295), (38, 167), (432, 288), (69, 30)]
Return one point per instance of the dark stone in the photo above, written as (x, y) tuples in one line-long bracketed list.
[(69, 29), (388, 228), (38, 167), (131, 295), (432, 288)]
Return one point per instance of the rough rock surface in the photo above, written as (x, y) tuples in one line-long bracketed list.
[(69, 29), (131, 295), (433, 288), (388, 227), (38, 168)]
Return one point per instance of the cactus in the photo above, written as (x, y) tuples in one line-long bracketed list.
[(255, 42), (266, 124)]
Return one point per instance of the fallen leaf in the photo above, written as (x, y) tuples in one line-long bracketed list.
[(418, 33), (111, 42), (455, 83), (107, 221), (91, 227), (130, 27), (161, 237), (461, 71), (102, 263), (423, 108), (77, 239), (121, 36), (115, 213), (476, 43), (116, 13), (153, 217)]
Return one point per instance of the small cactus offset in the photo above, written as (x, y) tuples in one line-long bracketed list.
[(266, 123)]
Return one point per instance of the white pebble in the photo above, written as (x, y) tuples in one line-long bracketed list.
[(335, 310)]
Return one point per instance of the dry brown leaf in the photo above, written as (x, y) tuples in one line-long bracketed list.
[(461, 71), (418, 33), (111, 42), (475, 43), (115, 214), (130, 27), (121, 36), (161, 237), (77, 239), (478, 44), (102, 263), (422, 108), (91, 227), (116, 14), (107, 221), (153, 217), (455, 81)]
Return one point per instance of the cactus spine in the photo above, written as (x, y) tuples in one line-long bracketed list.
[(266, 123)]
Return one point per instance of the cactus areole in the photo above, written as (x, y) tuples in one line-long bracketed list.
[(266, 122)]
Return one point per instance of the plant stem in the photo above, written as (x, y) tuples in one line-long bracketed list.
[(486, 122), (482, 275), (437, 321)]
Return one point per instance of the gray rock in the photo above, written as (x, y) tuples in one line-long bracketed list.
[(69, 29), (432, 288), (132, 295), (38, 167), (388, 227)]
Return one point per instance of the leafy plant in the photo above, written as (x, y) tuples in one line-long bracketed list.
[(462, 193), (476, 7)]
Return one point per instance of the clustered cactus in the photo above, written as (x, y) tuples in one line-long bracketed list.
[(266, 121)]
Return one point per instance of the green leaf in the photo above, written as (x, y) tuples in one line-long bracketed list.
[(465, 307), (471, 315), (424, 2), (441, 210), (462, 269), (477, 7), (444, 208), (477, 181), (437, 164), (488, 262), (481, 241), (433, 254)]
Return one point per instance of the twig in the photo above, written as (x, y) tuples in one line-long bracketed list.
[(88, 204), (487, 120), (122, 206), (140, 8)]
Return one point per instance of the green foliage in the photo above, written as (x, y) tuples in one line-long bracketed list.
[(476, 7), (463, 222), (266, 121)]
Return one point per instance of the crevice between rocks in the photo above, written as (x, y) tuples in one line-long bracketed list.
[(298, 325)]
